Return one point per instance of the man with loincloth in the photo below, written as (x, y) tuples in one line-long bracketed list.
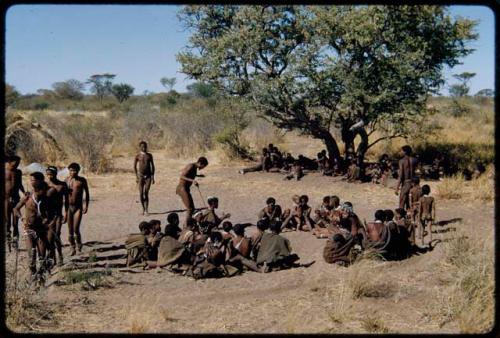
[(188, 177), (13, 184), (407, 166), (58, 197), (145, 174), (77, 186), (35, 224)]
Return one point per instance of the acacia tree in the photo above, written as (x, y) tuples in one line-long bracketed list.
[(462, 89), (168, 82), (354, 69), (122, 91), (101, 84), (70, 89)]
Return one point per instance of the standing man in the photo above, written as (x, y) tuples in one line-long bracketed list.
[(13, 184), (77, 185), (406, 172), (57, 198), (188, 175), (145, 175)]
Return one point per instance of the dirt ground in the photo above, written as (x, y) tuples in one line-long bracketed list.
[(301, 300)]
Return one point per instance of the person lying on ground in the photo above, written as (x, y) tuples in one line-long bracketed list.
[(264, 163)]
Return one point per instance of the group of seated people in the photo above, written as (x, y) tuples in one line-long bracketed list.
[(210, 246), (273, 160), (391, 234)]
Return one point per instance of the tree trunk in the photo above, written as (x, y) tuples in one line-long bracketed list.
[(362, 148), (331, 145), (348, 140)]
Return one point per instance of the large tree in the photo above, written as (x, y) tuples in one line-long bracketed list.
[(70, 89), (461, 89), (360, 70), (101, 84), (11, 95)]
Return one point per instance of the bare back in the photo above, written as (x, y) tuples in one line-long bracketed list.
[(13, 183)]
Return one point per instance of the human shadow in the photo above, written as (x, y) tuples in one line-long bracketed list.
[(449, 221)]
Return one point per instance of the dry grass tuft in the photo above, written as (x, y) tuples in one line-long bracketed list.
[(136, 326), (27, 311), (470, 300), (451, 187), (374, 325), (366, 280)]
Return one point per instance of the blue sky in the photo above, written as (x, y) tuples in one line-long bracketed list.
[(50, 43)]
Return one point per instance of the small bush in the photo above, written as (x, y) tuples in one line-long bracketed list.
[(451, 187), (374, 325)]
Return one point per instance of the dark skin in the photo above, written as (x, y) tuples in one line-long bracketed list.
[(77, 188), (58, 198), (13, 184), (33, 221), (187, 177), (144, 169)]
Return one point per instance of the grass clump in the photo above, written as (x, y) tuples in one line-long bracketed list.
[(374, 325), (470, 300), (89, 280)]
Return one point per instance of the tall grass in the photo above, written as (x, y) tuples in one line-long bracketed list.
[(470, 300)]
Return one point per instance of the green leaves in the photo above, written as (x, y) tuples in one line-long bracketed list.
[(314, 67)]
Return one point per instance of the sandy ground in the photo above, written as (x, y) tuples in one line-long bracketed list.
[(300, 300)]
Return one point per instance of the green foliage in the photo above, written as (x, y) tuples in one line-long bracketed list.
[(70, 89), (101, 84), (200, 89), (312, 68), (122, 91), (486, 92), (11, 95), (168, 83), (462, 89)]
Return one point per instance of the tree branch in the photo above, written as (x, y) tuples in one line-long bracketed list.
[(384, 138)]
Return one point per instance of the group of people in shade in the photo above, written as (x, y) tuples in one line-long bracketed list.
[(272, 160), (208, 245), (48, 205)]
